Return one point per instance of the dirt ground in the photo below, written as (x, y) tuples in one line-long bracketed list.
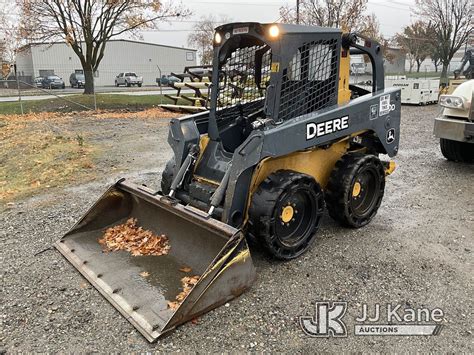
[(417, 252)]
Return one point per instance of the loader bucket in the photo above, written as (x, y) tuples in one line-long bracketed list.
[(212, 249)]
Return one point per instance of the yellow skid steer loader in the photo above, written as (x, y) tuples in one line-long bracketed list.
[(284, 137)]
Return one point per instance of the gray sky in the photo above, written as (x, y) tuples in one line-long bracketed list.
[(392, 16)]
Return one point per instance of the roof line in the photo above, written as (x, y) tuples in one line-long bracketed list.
[(111, 40)]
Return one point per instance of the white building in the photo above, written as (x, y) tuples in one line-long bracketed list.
[(428, 66), (145, 59)]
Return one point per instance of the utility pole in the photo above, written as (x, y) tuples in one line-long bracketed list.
[(18, 86), (298, 12)]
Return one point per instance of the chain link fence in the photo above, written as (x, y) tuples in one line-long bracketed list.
[(64, 91)]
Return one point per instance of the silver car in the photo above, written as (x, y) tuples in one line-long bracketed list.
[(128, 79)]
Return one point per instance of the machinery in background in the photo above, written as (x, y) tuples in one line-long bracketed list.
[(468, 58), (416, 91), (455, 127)]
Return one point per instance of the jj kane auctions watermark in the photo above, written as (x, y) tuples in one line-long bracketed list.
[(387, 320)]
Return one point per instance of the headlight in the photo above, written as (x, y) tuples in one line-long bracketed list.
[(274, 31), (217, 38), (451, 101)]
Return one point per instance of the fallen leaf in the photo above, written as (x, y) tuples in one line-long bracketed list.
[(173, 305), (185, 269), (187, 283), (134, 239), (144, 274)]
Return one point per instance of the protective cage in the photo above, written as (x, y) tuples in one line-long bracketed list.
[(244, 78), (310, 82)]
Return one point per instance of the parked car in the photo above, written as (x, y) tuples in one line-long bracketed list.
[(38, 81), (166, 80), (128, 79), (77, 80), (53, 82)]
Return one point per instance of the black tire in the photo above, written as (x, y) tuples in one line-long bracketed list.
[(355, 189), (116, 84), (457, 151), (127, 83), (286, 236), (167, 176), (139, 85)]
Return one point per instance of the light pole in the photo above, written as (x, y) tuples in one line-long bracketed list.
[(298, 12), (159, 82)]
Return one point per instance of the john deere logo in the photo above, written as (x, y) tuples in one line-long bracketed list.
[(390, 135), (327, 320)]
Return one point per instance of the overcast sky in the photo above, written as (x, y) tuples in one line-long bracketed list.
[(392, 16)]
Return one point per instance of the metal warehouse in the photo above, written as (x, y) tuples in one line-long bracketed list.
[(145, 59)]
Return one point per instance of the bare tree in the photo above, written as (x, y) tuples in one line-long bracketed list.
[(452, 25), (415, 40), (348, 15), (203, 35), (9, 41), (345, 14), (87, 25)]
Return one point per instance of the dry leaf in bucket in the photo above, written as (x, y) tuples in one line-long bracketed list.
[(136, 240), (185, 269), (187, 282)]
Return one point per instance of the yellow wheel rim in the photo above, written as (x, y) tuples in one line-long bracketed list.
[(356, 189), (287, 214)]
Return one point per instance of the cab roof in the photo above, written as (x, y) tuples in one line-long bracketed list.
[(284, 27)]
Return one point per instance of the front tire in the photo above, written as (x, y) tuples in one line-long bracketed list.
[(462, 152), (355, 189), (285, 213)]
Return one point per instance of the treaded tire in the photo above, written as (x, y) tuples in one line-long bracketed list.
[(457, 151), (355, 168), (167, 176), (304, 196)]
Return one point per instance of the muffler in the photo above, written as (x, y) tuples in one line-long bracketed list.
[(215, 251)]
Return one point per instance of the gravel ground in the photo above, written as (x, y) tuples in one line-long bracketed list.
[(416, 252)]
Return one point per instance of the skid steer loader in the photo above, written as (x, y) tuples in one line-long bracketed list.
[(285, 135)]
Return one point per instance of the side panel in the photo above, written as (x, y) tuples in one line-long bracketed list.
[(377, 112)]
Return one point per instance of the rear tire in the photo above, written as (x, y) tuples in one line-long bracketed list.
[(285, 213), (457, 151), (167, 176), (355, 189)]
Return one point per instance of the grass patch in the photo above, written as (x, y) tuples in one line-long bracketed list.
[(104, 102), (37, 158)]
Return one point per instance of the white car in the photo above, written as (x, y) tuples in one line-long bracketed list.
[(128, 79)]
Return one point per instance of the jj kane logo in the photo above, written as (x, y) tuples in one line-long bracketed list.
[(389, 320)]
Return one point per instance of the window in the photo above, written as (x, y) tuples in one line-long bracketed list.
[(310, 79), (189, 56)]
